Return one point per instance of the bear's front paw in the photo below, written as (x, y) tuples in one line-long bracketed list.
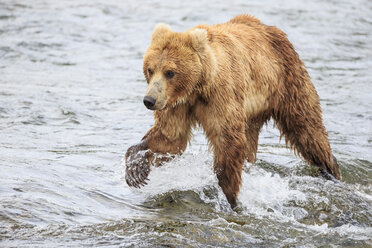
[(137, 170)]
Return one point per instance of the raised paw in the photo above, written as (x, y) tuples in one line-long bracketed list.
[(137, 170)]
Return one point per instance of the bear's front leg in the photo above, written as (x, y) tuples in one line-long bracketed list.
[(167, 138), (228, 164)]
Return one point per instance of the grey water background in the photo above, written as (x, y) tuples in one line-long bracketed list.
[(71, 89)]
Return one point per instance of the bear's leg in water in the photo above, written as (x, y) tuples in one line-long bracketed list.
[(252, 131), (228, 162), (167, 138), (300, 121)]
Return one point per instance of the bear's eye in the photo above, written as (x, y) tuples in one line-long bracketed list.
[(169, 74), (149, 71)]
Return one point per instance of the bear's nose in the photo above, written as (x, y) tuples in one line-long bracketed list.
[(149, 101)]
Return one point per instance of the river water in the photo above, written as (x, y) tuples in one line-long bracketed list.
[(71, 89)]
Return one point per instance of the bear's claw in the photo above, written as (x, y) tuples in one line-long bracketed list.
[(137, 173), (137, 165)]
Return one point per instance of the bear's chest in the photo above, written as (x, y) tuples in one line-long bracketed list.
[(208, 117)]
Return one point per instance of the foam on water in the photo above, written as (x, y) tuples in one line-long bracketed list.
[(264, 191), (261, 192), (189, 172)]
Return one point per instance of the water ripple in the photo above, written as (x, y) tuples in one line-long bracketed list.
[(71, 91)]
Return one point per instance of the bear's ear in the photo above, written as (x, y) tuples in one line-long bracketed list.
[(159, 30), (199, 38)]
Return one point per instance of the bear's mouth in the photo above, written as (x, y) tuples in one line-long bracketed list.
[(160, 105)]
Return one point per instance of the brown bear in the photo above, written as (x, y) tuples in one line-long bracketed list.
[(230, 79)]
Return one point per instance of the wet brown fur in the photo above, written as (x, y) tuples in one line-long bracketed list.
[(231, 78)]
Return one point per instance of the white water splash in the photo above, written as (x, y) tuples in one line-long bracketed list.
[(187, 172), (261, 192)]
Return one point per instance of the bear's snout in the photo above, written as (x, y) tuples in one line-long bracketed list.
[(149, 102)]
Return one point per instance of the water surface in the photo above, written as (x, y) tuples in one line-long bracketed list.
[(71, 89)]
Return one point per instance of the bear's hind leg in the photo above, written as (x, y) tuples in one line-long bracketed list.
[(300, 121), (252, 131)]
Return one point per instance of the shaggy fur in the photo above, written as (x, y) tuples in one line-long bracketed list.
[(229, 78)]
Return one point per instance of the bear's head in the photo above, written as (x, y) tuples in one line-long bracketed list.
[(173, 66)]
